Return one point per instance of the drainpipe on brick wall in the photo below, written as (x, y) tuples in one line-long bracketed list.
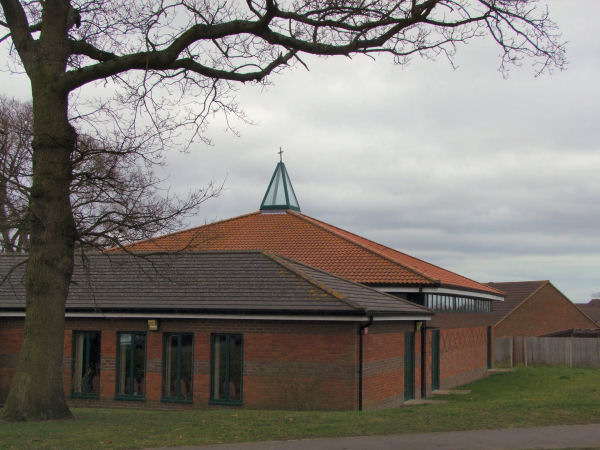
[(361, 332)]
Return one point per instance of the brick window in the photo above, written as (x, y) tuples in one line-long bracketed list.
[(226, 369), (131, 365), (178, 367), (86, 364)]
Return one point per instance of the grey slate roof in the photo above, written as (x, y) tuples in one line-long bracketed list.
[(209, 282)]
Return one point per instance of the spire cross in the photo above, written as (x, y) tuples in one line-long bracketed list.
[(280, 155)]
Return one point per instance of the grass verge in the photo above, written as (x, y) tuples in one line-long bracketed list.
[(534, 396)]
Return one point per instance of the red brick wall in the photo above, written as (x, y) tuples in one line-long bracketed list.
[(294, 365), (314, 366), (383, 364), (463, 347), (460, 320), (418, 344), (463, 355), (11, 336), (428, 361), (547, 311)]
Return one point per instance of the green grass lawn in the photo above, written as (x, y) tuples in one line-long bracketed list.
[(527, 397)]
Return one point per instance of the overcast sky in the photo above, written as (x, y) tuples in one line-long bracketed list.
[(496, 179)]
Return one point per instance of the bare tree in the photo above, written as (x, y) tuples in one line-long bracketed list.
[(149, 50), (115, 195), (15, 170)]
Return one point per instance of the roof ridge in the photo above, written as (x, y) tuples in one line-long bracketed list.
[(407, 266), (187, 253), (573, 303), (578, 306), (284, 262), (362, 286), (515, 282), (187, 230)]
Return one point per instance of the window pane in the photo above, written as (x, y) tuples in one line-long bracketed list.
[(178, 366), (227, 367), (78, 362), (139, 370), (185, 383), (86, 362), (132, 363), (220, 366), (235, 367), (171, 366), (124, 366)]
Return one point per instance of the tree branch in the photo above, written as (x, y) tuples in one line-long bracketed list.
[(87, 49), (16, 21)]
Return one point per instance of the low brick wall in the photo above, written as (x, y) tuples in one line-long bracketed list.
[(463, 355)]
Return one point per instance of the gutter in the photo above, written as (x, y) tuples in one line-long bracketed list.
[(236, 316), (361, 332)]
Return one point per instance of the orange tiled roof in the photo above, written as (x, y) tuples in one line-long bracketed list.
[(312, 242)]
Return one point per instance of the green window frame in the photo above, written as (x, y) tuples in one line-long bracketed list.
[(227, 369), (178, 367), (131, 365), (85, 368)]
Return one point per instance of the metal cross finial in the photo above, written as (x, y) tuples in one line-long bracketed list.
[(280, 155)]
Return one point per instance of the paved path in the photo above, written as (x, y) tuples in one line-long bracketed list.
[(564, 436)]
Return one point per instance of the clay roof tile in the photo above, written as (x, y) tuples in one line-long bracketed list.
[(313, 242)]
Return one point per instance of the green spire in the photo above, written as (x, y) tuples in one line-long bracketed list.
[(280, 193)]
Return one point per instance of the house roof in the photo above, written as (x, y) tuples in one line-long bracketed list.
[(573, 332), (316, 243), (591, 309), (225, 282), (516, 293)]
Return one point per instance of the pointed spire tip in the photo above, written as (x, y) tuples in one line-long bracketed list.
[(280, 194)]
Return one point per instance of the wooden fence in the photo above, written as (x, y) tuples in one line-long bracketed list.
[(547, 351)]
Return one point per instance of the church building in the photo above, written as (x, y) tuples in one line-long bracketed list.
[(453, 348), (271, 309)]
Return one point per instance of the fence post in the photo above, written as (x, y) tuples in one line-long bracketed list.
[(525, 350), (511, 352), (570, 352)]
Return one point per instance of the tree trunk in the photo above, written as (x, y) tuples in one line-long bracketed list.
[(37, 391)]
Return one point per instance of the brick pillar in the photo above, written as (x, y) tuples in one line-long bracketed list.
[(108, 364)]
